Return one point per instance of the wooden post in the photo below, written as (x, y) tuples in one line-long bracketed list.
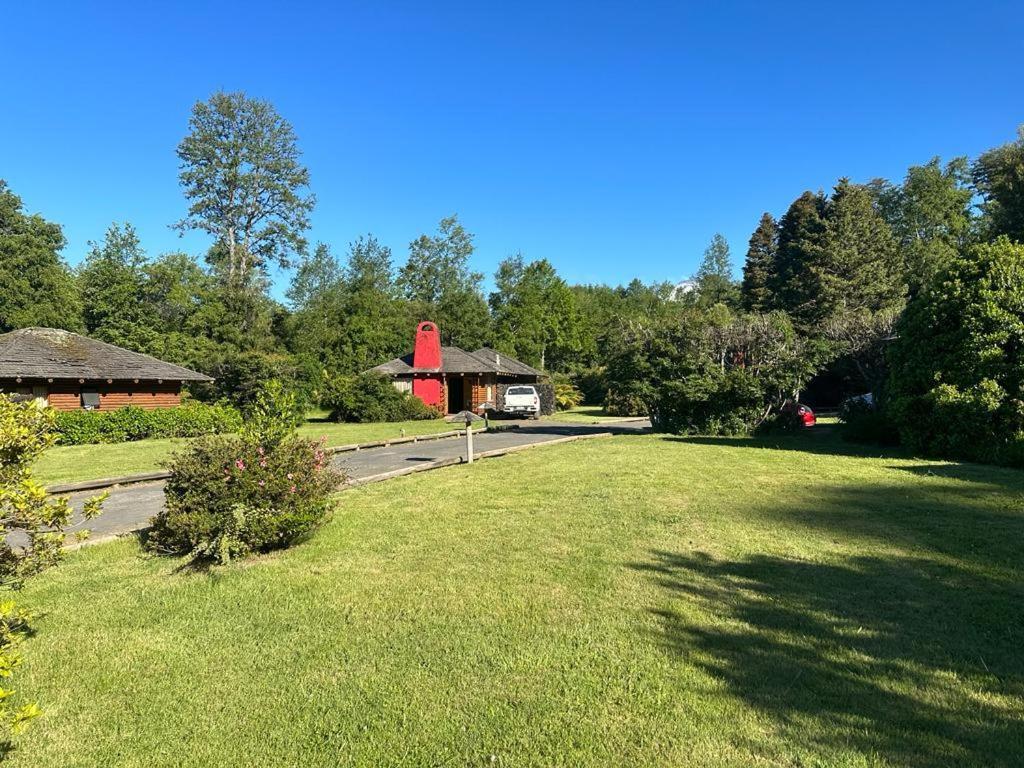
[(469, 443)]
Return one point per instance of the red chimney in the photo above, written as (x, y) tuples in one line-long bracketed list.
[(427, 354)]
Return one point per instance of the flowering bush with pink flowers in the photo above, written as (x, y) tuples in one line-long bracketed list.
[(229, 497)]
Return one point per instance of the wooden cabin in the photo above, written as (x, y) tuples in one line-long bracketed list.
[(453, 379), (68, 371)]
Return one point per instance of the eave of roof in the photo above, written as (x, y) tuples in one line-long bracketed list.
[(50, 353)]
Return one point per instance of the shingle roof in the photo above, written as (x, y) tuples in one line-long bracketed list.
[(456, 360), (505, 363), (49, 353)]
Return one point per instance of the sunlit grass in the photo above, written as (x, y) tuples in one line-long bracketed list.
[(65, 464), (630, 601)]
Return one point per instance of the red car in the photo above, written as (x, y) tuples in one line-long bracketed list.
[(802, 412)]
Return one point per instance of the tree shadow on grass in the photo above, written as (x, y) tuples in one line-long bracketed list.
[(823, 440), (915, 659)]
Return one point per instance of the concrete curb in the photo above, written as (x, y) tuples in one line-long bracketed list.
[(383, 476)]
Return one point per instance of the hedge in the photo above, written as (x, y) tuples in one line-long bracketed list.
[(131, 423)]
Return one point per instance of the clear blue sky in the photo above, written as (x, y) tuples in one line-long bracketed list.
[(614, 140)]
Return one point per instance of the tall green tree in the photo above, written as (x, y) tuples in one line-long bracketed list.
[(714, 276), (348, 316), (36, 286), (792, 284), (759, 266), (534, 314), (182, 300), (438, 280), (999, 178), (241, 172), (859, 267), (931, 217), (114, 292)]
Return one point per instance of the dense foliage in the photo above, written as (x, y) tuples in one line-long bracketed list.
[(841, 266), (124, 424), (32, 536), (229, 497), (712, 371), (372, 397), (957, 382)]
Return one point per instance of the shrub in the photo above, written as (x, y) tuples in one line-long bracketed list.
[(32, 538), (229, 497), (957, 365), (593, 383), (371, 397), (567, 395), (131, 423), (273, 416), (716, 403), (863, 422)]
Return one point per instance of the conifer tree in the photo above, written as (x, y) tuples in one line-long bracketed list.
[(756, 295)]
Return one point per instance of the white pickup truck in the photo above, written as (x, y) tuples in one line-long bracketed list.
[(522, 400)]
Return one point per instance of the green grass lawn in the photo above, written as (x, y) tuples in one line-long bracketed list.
[(587, 414), (66, 464), (639, 601)]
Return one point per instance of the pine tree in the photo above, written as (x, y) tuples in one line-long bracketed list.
[(762, 252), (859, 268), (714, 276), (793, 284)]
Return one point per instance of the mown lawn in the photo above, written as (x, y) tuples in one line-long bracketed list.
[(587, 414), (631, 601), (66, 464)]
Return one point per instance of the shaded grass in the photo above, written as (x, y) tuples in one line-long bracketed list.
[(66, 464), (640, 601)]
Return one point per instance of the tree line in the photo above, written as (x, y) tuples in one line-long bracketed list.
[(825, 284)]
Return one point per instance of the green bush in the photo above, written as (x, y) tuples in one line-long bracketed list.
[(130, 423), (371, 397), (593, 383), (567, 395), (727, 402), (32, 525), (862, 422), (228, 497), (956, 385)]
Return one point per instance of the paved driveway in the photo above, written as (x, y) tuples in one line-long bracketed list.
[(130, 508)]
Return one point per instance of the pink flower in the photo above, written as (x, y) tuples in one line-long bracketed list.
[(262, 483), (263, 463), (292, 489), (239, 464)]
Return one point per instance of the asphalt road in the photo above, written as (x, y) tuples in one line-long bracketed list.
[(129, 508)]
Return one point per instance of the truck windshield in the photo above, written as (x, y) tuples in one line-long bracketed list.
[(520, 390)]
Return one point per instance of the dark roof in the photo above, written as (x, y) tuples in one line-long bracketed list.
[(505, 363), (49, 353), (456, 360)]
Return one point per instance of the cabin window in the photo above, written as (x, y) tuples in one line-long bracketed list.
[(403, 385), (90, 399)]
